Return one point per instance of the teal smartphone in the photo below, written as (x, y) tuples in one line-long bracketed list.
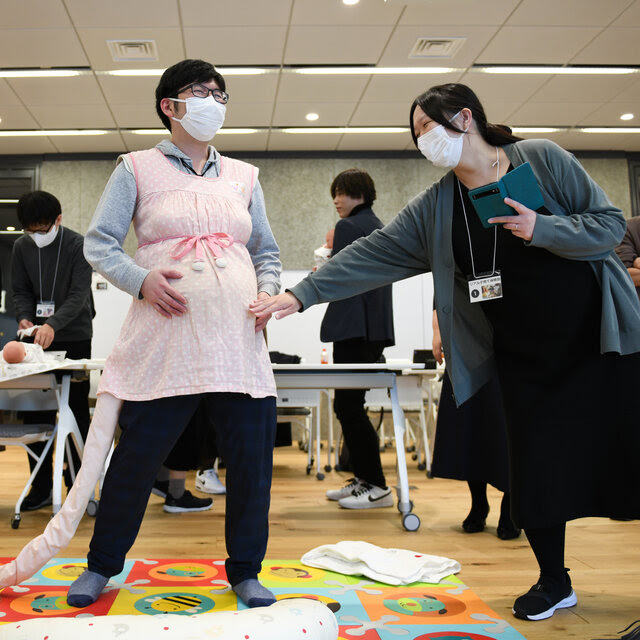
[(520, 185)]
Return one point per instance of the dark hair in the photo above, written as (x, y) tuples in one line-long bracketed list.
[(445, 100), (38, 208), (180, 75), (354, 183)]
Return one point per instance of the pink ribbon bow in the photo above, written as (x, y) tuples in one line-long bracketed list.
[(215, 242)]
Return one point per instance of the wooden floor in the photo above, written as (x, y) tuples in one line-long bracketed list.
[(604, 556)]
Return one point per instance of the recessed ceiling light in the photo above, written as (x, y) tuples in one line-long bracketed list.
[(312, 117), (11, 228), (610, 130), (626, 116), (350, 2)]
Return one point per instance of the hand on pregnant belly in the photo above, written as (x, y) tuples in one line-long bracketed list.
[(164, 298)]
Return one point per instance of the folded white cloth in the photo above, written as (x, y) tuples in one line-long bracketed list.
[(390, 566)]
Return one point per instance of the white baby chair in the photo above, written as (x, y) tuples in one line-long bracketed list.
[(38, 393)]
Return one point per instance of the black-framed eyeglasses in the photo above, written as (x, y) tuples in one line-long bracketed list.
[(202, 91)]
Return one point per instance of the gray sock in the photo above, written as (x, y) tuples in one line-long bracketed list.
[(86, 589), (253, 594), (176, 487)]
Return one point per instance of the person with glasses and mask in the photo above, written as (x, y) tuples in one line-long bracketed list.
[(205, 252), (51, 282), (562, 331)]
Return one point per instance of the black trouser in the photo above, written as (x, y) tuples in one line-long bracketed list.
[(359, 434), (245, 429), (79, 405)]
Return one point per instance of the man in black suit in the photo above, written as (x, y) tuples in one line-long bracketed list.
[(360, 328)]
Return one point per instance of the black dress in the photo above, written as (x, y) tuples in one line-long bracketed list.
[(573, 415), (471, 440)]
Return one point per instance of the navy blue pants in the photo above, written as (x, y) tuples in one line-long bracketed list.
[(245, 429)]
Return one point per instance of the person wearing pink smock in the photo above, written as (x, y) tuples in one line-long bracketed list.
[(205, 252)]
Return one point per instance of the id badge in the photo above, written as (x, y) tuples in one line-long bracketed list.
[(45, 309), (485, 287)]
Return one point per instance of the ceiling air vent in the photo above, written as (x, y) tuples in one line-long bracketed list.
[(436, 47), (133, 50)]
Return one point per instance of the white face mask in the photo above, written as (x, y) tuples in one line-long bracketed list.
[(45, 239), (203, 118), (441, 148)]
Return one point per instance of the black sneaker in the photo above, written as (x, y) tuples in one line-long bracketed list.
[(36, 500), (186, 502), (547, 595), (160, 488)]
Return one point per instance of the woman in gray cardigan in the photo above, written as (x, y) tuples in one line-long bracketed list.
[(564, 337)]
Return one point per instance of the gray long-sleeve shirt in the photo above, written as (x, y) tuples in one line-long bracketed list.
[(115, 211)]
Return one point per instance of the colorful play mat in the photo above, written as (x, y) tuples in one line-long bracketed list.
[(365, 610)]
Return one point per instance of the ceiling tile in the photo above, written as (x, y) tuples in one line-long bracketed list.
[(608, 115), (236, 45), (576, 141), (240, 13), (242, 142), (336, 44), (488, 86), (392, 88), (76, 116), (447, 12), (248, 114), (48, 14), (332, 114), (335, 12), (126, 90), (296, 87), (109, 143), (630, 93), (572, 13), (136, 142), (248, 88), (615, 45), (136, 116), (551, 113), (500, 111), (390, 114), (60, 91), (16, 117), (26, 145), (7, 95), (279, 141), (40, 47), (404, 38), (536, 45), (373, 142), (123, 13), (586, 88), (168, 43), (631, 17)]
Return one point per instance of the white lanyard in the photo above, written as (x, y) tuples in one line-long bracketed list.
[(55, 274), (495, 229)]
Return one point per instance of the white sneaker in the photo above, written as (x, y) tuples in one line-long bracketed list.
[(367, 496), (346, 491), (207, 481)]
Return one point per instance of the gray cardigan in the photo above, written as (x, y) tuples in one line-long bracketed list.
[(584, 225)]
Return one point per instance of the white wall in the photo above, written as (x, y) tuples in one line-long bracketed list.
[(412, 299), (298, 334)]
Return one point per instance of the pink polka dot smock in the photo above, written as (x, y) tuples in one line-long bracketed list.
[(198, 226)]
